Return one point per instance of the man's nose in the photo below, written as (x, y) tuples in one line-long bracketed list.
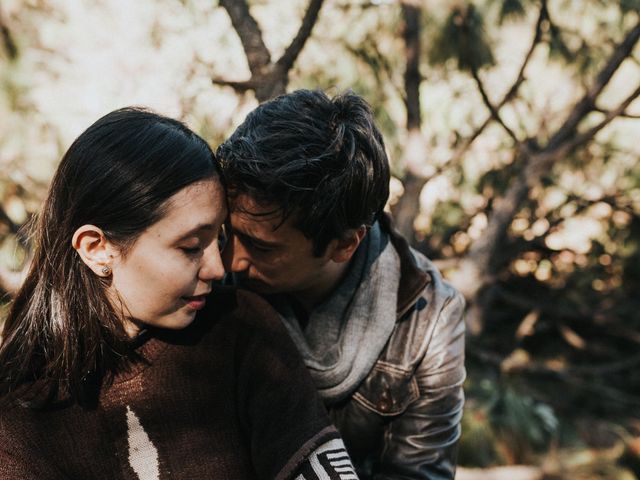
[(234, 256)]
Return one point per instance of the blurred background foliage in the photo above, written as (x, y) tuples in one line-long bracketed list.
[(513, 130)]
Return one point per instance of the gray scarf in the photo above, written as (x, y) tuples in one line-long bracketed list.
[(346, 334)]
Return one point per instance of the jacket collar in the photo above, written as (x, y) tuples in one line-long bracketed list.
[(413, 280)]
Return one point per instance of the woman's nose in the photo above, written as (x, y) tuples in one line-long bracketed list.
[(212, 267)]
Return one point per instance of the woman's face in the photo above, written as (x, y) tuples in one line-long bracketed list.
[(163, 278)]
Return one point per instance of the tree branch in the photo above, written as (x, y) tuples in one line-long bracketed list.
[(288, 58), (541, 161), (7, 39), (238, 86), (494, 111), (587, 102), (537, 36), (607, 368), (508, 96), (569, 374), (622, 115), (268, 79), (555, 310), (412, 78), (590, 133), (473, 273), (258, 56)]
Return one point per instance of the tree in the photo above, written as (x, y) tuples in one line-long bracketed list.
[(10, 280), (511, 128), (535, 156), (462, 39), (268, 78)]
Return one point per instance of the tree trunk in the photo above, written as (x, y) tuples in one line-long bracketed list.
[(415, 153)]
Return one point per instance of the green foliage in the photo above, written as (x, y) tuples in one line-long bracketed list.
[(511, 9), (502, 422), (627, 6), (585, 60), (358, 45), (495, 182), (13, 89), (478, 443), (447, 217), (558, 48), (463, 38), (522, 418)]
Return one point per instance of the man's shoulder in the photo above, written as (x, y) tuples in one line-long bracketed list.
[(420, 279), (437, 287), (435, 303)]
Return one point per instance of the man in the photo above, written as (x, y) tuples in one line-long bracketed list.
[(380, 331)]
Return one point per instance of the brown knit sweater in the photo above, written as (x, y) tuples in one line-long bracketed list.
[(226, 398)]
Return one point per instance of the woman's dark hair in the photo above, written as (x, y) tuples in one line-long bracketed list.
[(61, 330), (317, 158)]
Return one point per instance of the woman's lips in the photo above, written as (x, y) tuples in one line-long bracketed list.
[(196, 302)]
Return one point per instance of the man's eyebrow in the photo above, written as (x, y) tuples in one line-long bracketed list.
[(255, 240)]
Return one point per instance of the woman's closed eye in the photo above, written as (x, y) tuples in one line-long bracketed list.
[(192, 249)]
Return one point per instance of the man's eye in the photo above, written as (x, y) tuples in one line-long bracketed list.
[(261, 248), (252, 245), (256, 247)]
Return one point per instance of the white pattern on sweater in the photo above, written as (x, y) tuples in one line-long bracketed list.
[(143, 456)]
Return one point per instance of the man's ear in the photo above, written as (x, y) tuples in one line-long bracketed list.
[(341, 250), (94, 249)]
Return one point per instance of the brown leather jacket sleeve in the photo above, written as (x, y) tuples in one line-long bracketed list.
[(422, 442)]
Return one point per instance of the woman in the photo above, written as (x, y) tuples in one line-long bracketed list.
[(118, 360)]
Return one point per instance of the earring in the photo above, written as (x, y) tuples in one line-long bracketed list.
[(106, 270)]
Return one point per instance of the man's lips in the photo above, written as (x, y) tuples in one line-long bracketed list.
[(196, 302)]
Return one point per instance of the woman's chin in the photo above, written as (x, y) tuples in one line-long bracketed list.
[(181, 319), (176, 321)]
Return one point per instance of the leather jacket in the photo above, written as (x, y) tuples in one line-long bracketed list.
[(403, 421)]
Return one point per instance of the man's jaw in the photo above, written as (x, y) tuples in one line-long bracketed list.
[(253, 284)]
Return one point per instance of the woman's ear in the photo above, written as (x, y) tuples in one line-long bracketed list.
[(94, 249)]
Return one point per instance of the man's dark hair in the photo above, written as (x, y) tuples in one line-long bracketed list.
[(317, 158)]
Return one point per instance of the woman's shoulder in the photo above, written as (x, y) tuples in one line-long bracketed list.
[(249, 319), (220, 303), (230, 303), (255, 313), (221, 299), (15, 428), (16, 424)]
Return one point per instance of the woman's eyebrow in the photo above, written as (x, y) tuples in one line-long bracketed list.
[(203, 227)]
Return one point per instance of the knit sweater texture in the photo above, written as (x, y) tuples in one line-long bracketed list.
[(226, 398)]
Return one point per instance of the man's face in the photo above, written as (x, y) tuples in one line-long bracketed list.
[(271, 258)]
